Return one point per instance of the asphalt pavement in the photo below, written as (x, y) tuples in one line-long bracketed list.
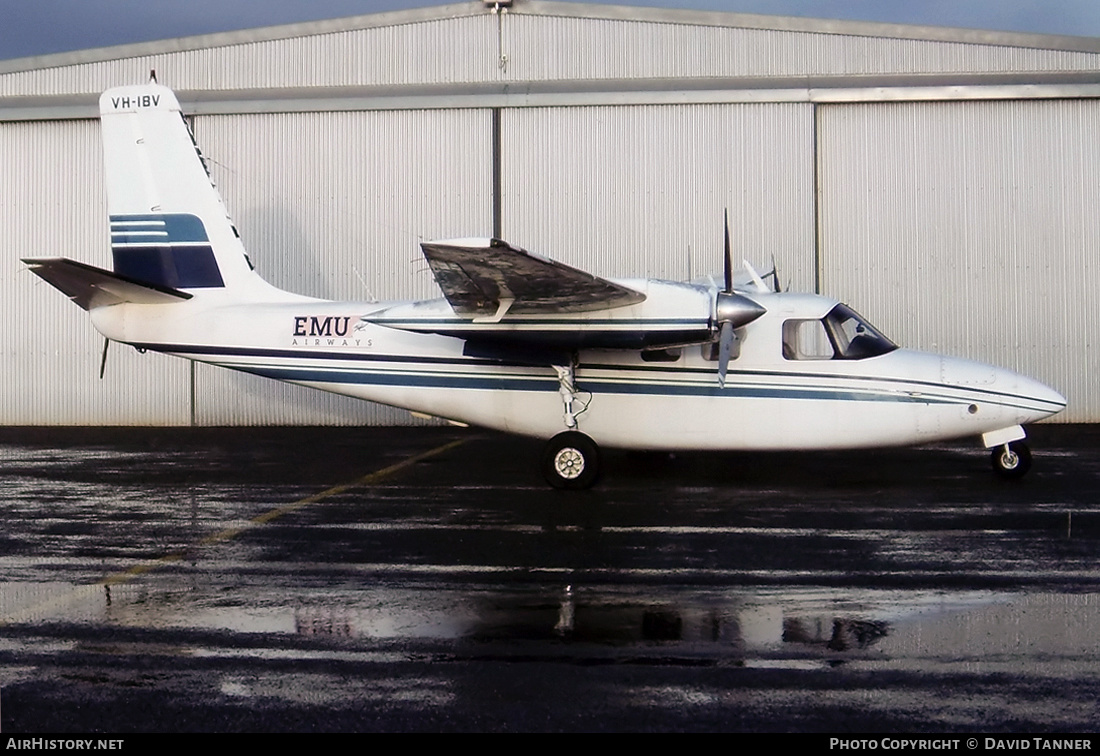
[(426, 579)]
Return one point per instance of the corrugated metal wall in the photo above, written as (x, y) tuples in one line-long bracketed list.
[(335, 205), (640, 191), (562, 47), (323, 208), (411, 53), (971, 229), (52, 203), (537, 42), (326, 210)]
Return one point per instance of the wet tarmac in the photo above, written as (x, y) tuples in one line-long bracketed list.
[(425, 579)]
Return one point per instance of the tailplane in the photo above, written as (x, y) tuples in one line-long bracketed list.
[(92, 287)]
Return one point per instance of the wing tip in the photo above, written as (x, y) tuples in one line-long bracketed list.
[(471, 242)]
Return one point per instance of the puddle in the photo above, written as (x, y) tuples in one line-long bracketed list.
[(771, 626)]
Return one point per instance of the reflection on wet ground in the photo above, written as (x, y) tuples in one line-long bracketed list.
[(743, 625), (216, 580)]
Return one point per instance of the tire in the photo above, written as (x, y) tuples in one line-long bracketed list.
[(1011, 461), (571, 461)]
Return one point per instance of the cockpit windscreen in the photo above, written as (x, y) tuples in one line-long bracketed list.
[(853, 337)]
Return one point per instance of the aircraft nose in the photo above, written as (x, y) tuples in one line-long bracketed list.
[(1021, 399), (1032, 399), (1047, 399)]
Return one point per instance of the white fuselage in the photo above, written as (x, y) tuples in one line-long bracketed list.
[(622, 399)]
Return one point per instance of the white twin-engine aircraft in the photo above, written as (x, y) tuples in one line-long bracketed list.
[(519, 342)]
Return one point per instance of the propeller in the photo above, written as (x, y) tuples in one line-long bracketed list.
[(103, 360), (731, 311)]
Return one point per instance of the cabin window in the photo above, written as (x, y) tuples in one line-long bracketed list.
[(841, 335), (806, 340)]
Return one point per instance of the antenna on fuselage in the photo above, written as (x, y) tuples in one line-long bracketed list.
[(370, 294), (775, 277)]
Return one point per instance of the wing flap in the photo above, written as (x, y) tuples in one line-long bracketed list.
[(92, 287), (479, 277)]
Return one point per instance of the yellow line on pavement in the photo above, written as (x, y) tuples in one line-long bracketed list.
[(230, 533), (266, 517)]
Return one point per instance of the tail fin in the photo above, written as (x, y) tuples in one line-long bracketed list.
[(169, 226)]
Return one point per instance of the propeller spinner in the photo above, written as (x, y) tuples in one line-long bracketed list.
[(731, 311)]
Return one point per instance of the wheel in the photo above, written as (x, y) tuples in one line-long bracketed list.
[(571, 460), (1012, 460)]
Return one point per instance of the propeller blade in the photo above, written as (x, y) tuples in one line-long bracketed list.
[(725, 349), (729, 259), (103, 362)]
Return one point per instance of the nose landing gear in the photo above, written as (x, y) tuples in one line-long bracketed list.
[(1012, 460)]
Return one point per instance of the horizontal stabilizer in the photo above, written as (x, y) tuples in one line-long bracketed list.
[(92, 287), (489, 278)]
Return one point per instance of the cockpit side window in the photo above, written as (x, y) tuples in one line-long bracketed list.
[(841, 335)]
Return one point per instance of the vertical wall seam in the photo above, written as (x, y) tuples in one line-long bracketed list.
[(815, 158), (497, 169)]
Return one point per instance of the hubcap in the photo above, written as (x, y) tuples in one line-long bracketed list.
[(1009, 460), (569, 463)]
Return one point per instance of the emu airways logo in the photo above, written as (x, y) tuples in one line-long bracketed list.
[(328, 331)]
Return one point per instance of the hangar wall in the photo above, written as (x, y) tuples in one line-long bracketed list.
[(649, 184), (942, 181), (326, 211), (52, 202), (970, 229)]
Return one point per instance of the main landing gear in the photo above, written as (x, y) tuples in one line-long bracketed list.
[(571, 460), (1011, 460)]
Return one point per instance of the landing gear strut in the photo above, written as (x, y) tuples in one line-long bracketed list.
[(567, 388), (571, 460), (1012, 460)]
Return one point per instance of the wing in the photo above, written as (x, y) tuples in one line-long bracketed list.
[(489, 277), (91, 287)]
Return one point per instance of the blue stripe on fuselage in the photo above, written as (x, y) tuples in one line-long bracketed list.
[(643, 384), (420, 373), (513, 383)]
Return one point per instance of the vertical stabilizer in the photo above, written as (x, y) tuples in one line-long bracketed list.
[(169, 225)]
